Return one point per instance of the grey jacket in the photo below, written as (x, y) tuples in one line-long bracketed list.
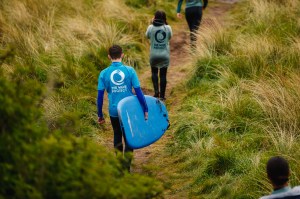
[(159, 35)]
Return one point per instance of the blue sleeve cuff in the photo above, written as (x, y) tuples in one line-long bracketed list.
[(141, 98), (100, 102)]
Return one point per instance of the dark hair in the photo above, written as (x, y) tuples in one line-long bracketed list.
[(161, 17), (278, 170), (115, 52)]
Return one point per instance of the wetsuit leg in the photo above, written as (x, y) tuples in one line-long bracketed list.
[(163, 81), (154, 71), (128, 155), (193, 18), (118, 145), (117, 133)]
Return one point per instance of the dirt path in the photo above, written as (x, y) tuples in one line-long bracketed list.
[(152, 159), (176, 72)]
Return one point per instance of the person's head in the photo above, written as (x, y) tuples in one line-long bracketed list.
[(161, 16), (115, 52), (278, 171)]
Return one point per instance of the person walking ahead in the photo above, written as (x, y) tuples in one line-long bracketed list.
[(159, 33), (193, 15), (118, 80)]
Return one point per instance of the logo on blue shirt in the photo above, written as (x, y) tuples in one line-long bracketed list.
[(117, 77)]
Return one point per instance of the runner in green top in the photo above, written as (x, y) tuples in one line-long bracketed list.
[(159, 33), (193, 15)]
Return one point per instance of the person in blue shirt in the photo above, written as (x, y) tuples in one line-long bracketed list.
[(118, 80), (278, 172), (193, 15)]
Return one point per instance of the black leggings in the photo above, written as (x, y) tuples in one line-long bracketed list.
[(118, 134), (193, 17), (163, 81), (118, 145)]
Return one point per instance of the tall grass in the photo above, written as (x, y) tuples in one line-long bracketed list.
[(278, 99), (62, 46), (67, 42), (246, 106), (213, 39)]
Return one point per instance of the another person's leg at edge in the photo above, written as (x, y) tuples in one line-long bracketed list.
[(118, 145), (163, 82), (193, 17), (154, 72)]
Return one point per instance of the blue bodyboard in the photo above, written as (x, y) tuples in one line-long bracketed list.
[(139, 132)]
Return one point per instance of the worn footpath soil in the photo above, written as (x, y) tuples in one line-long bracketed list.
[(152, 160)]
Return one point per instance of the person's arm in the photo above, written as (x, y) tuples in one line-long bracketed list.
[(101, 89), (179, 5), (137, 88), (205, 2), (99, 106), (148, 32), (142, 100), (179, 8), (171, 33)]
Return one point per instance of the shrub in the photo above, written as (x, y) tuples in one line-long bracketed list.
[(38, 163)]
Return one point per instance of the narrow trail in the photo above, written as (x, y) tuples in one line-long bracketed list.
[(177, 71), (152, 160)]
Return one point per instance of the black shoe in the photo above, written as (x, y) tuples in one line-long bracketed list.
[(162, 99)]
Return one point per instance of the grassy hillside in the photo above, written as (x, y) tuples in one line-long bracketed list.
[(65, 44), (51, 52), (242, 104)]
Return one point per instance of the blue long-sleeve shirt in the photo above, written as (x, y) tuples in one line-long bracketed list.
[(118, 80)]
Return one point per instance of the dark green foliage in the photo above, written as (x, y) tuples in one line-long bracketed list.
[(41, 74), (18, 102), (36, 163), (190, 132), (233, 119), (33, 70), (206, 69), (169, 6), (240, 115), (83, 71), (6, 53), (243, 196), (45, 132), (69, 121), (132, 54), (95, 60), (220, 163), (138, 3), (280, 24), (207, 187)]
